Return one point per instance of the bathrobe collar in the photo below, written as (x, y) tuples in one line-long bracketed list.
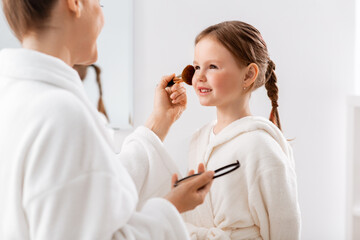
[(41, 67), (241, 126)]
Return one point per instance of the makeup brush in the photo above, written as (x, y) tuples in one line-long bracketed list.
[(186, 76)]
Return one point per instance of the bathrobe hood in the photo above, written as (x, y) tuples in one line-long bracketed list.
[(238, 127)]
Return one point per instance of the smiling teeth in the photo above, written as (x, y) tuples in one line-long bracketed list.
[(205, 90)]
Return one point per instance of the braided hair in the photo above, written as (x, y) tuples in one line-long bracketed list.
[(100, 106), (272, 92), (82, 70)]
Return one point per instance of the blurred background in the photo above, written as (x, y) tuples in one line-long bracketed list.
[(314, 44)]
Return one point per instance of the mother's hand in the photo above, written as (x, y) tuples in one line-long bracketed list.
[(170, 102), (192, 192), (168, 106)]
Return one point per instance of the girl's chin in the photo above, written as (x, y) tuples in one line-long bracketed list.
[(206, 104)]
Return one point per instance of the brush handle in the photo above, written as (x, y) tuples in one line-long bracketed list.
[(174, 80)]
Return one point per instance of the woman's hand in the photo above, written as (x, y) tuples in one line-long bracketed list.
[(190, 193), (169, 104)]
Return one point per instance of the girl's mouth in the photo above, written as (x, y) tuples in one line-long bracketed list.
[(204, 91)]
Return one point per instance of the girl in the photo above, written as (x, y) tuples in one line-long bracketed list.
[(258, 200), (59, 175)]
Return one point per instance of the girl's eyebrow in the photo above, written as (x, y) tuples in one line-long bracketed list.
[(209, 61)]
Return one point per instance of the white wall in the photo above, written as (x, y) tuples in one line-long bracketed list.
[(7, 39), (311, 41), (357, 48)]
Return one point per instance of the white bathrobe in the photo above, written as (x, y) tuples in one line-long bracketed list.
[(59, 175), (256, 201)]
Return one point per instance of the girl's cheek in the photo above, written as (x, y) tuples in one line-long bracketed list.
[(194, 86), (194, 80)]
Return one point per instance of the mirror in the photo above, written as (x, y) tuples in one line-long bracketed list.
[(115, 61)]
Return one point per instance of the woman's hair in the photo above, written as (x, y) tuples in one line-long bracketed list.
[(247, 46), (24, 15), (82, 70)]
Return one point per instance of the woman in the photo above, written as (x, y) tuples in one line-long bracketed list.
[(60, 178)]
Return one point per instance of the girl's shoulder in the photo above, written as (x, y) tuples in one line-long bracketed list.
[(265, 152)]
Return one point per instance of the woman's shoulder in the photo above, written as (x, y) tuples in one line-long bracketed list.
[(56, 106)]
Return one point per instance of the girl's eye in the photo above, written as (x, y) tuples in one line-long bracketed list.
[(212, 66), (196, 67)]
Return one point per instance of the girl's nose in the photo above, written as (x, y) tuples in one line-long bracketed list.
[(200, 76)]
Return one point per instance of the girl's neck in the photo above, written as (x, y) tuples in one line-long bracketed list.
[(227, 115)]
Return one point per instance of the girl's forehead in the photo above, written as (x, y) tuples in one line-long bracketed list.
[(211, 48), (209, 42)]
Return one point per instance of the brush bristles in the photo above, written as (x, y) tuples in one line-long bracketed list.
[(188, 74)]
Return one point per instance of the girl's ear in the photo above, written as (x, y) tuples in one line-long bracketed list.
[(75, 6), (252, 71)]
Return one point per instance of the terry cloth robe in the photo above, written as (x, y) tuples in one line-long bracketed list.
[(59, 175), (258, 200)]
